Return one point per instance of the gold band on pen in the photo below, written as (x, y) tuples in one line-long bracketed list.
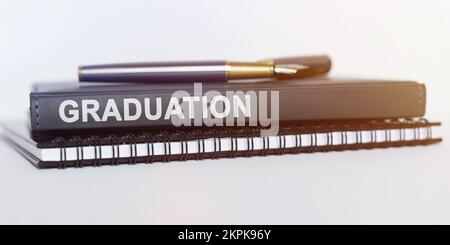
[(247, 70)]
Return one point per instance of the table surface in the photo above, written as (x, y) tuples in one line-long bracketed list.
[(384, 39), (405, 185)]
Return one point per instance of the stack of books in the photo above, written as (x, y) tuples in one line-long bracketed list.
[(112, 120)]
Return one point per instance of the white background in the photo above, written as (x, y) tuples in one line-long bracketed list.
[(47, 40)]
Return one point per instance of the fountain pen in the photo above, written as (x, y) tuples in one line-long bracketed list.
[(206, 71)]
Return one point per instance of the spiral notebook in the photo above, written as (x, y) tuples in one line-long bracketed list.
[(211, 143)]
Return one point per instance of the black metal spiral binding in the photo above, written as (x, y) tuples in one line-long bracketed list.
[(60, 142), (167, 146), (183, 145), (250, 146), (298, 143), (330, 131), (113, 139), (373, 137), (234, 147), (203, 149), (217, 144), (78, 143), (200, 145), (358, 139), (264, 143), (387, 135), (98, 150), (429, 131), (281, 144), (230, 133), (344, 140), (329, 141), (131, 139), (150, 148), (313, 142), (415, 128)]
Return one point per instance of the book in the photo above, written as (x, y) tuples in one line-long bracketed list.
[(188, 143), (78, 108)]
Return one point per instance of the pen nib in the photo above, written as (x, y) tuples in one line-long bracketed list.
[(289, 68)]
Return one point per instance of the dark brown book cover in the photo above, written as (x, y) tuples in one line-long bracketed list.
[(299, 100)]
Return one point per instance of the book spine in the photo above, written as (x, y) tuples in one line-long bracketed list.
[(146, 109)]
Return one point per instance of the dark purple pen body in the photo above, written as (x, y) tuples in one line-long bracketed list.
[(206, 71), (192, 71)]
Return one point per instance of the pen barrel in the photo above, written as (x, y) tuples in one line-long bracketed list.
[(202, 71)]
